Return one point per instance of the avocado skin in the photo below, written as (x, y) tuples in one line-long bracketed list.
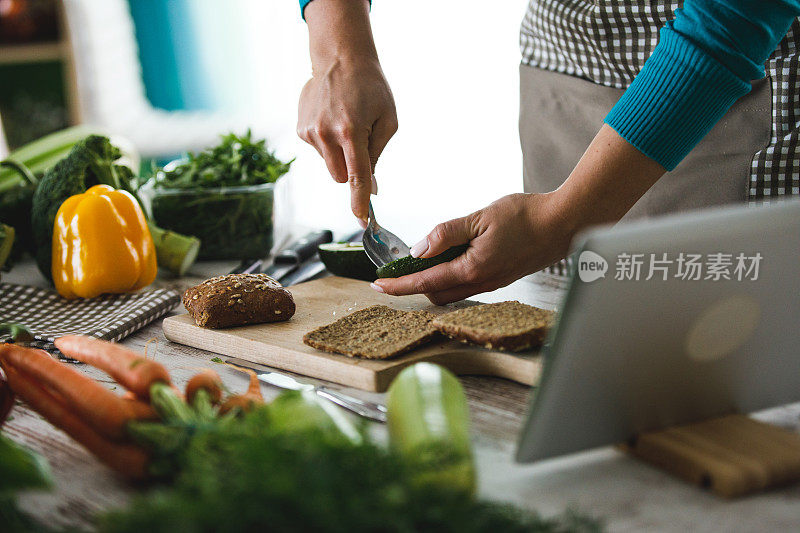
[(409, 265), (348, 264)]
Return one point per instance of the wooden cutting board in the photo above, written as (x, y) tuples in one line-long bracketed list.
[(319, 302)]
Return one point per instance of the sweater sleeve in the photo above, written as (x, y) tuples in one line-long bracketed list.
[(304, 3), (704, 61)]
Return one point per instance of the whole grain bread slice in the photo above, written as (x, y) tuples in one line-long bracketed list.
[(509, 326), (377, 332)]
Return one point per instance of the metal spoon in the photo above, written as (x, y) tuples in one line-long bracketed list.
[(382, 246)]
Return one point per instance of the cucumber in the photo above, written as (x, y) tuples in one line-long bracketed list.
[(6, 243), (428, 423), (347, 259), (409, 265)]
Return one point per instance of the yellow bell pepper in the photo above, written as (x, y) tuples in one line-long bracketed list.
[(101, 244)]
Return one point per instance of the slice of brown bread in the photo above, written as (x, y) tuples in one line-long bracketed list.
[(377, 332), (503, 326), (238, 299)]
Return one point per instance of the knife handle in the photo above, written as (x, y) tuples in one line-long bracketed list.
[(305, 248), (371, 410)]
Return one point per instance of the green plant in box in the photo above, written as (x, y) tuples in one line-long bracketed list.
[(224, 195)]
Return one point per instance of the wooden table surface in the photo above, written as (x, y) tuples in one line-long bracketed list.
[(627, 494)]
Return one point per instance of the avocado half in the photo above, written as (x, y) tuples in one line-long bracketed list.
[(347, 259)]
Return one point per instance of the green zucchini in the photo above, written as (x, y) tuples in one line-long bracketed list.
[(409, 265), (302, 410), (347, 259), (428, 423)]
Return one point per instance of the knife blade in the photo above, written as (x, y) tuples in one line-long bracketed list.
[(306, 272), (371, 410)]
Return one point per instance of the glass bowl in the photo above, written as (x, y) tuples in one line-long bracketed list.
[(231, 222)]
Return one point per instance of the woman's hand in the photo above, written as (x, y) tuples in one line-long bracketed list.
[(522, 233), (514, 236), (347, 113), (346, 109)]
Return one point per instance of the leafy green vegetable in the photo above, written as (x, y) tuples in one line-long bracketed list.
[(223, 195), (236, 161), (292, 465), (231, 224), (16, 333), (20, 470), (296, 465), (251, 475), (91, 161)]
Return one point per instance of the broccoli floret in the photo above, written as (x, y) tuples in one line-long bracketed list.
[(89, 163)]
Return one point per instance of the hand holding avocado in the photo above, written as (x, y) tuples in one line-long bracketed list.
[(515, 236)]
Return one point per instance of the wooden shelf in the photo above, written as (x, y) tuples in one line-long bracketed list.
[(31, 53)]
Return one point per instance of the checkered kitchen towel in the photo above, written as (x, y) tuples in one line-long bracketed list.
[(110, 317)]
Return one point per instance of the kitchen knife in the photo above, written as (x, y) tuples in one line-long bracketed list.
[(287, 259), (313, 268), (371, 410), (306, 272)]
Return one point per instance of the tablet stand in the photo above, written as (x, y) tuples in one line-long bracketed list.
[(732, 455)]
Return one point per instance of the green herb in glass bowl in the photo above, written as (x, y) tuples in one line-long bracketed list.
[(224, 195)]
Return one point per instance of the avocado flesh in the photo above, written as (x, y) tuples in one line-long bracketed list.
[(409, 265)]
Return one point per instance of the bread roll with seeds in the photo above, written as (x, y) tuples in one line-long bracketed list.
[(238, 299)]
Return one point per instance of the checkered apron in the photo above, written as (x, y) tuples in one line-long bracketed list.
[(608, 41)]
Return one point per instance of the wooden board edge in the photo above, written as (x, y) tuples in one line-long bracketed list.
[(525, 370)]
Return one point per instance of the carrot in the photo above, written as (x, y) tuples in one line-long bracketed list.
[(104, 411), (6, 400), (128, 368), (124, 458), (206, 380), (247, 401)]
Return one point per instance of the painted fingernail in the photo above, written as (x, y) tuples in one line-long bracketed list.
[(420, 248), (374, 185), (376, 287)]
